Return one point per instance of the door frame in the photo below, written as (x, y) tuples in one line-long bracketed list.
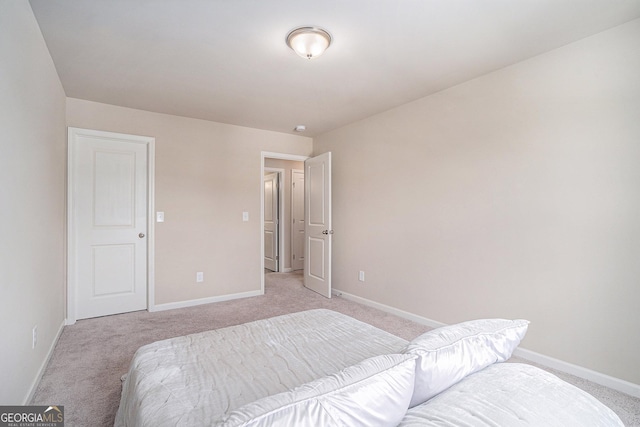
[(279, 245), (270, 155), (72, 132)]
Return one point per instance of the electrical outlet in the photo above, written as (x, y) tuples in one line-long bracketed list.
[(199, 277), (34, 337), (361, 276)]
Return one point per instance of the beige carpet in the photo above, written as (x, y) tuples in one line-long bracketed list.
[(91, 356)]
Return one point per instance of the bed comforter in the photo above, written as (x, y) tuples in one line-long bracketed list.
[(199, 379)]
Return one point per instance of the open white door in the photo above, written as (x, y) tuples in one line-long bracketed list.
[(297, 213), (271, 221), (317, 231)]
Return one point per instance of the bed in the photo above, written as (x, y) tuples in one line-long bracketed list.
[(320, 367)]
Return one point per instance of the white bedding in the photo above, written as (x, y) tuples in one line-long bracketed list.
[(199, 379), (512, 394), (196, 379)]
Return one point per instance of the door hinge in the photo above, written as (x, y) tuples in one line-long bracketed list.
[(277, 258), (294, 256)]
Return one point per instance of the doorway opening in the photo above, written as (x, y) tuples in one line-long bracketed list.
[(273, 224), (282, 220)]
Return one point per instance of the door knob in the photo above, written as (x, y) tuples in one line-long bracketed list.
[(327, 232), (141, 235)]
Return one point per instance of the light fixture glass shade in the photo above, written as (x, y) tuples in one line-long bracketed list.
[(309, 42)]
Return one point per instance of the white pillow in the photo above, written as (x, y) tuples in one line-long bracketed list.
[(376, 392), (448, 354)]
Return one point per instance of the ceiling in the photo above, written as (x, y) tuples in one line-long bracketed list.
[(227, 60)]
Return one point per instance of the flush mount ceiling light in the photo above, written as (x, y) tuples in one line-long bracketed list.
[(309, 42)]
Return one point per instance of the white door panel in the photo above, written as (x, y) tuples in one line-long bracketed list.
[(109, 223), (297, 213), (113, 268), (114, 189), (318, 232), (271, 221)]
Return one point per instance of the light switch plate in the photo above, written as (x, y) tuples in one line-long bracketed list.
[(160, 216), (245, 216)]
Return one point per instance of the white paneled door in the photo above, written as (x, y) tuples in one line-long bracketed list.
[(271, 221), (297, 213), (108, 223), (318, 232)]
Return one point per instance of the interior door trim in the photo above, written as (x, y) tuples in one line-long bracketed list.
[(72, 133)]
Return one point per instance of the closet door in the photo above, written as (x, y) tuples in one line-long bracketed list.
[(108, 223)]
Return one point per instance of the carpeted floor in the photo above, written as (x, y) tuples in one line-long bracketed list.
[(91, 356)]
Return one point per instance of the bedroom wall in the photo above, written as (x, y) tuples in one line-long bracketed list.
[(32, 195), (513, 195), (288, 166), (206, 175)]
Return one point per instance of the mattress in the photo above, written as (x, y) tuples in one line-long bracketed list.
[(197, 379), (511, 394)]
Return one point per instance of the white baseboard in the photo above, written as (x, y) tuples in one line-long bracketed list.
[(43, 366), (549, 362), (200, 301), (389, 309), (579, 371)]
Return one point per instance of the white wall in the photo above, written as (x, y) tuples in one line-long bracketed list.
[(514, 195), (207, 174), (32, 197)]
